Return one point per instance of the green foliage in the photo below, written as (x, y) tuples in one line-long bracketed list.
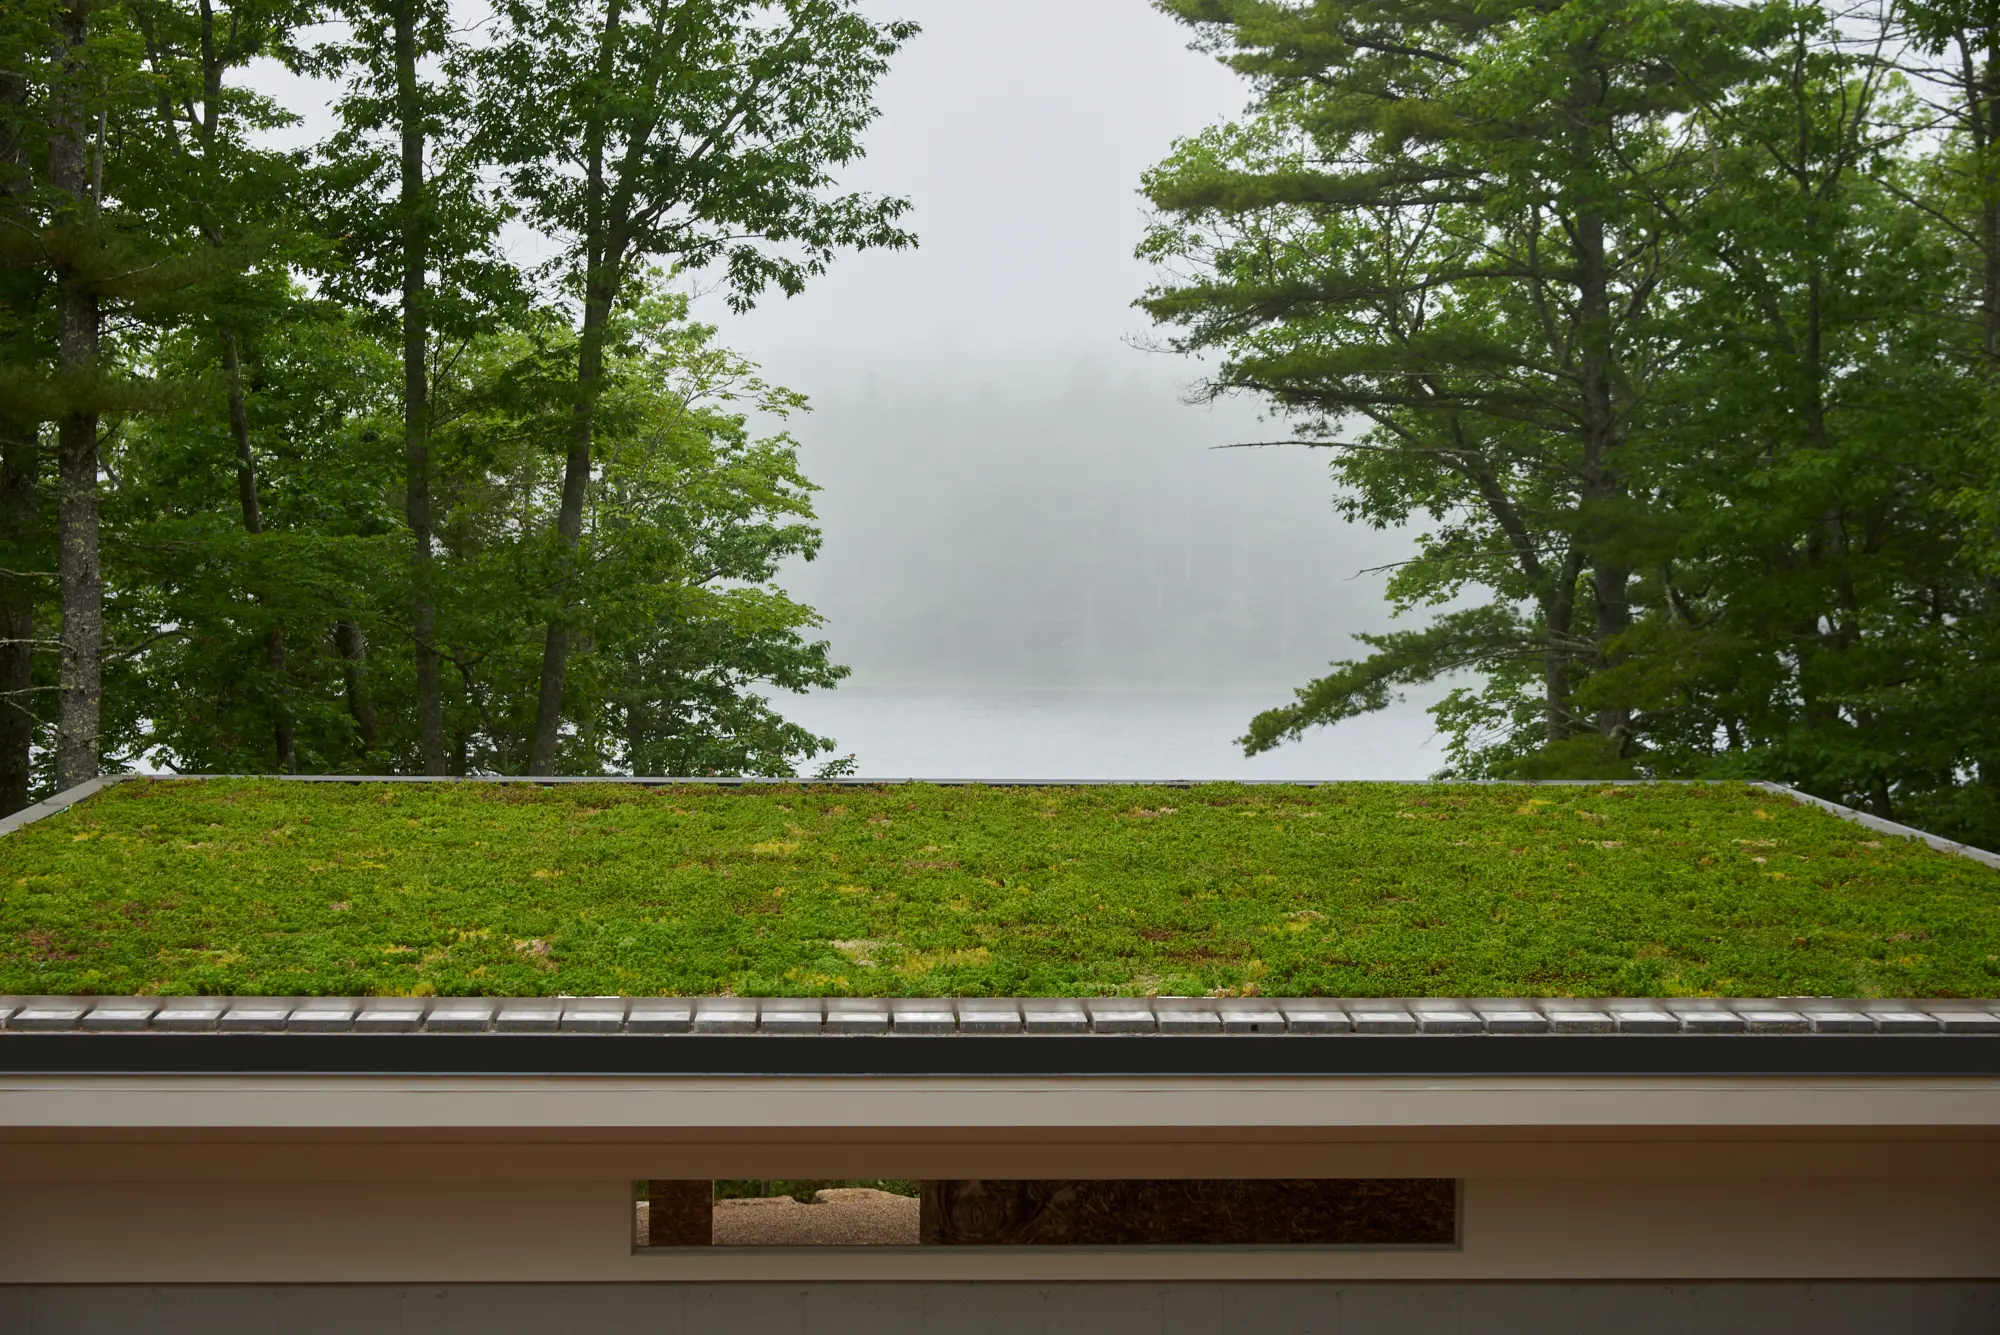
[(247, 886), (290, 347), (704, 131), (473, 285), (1677, 329), (688, 518), (700, 134)]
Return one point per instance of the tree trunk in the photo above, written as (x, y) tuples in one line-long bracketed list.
[(1556, 602), (1880, 803), (569, 518), (17, 611), (416, 392), (80, 675), (602, 249), (284, 744), (239, 435), (1611, 612), (284, 738), (353, 649), (19, 447), (1989, 229), (1611, 601), (1558, 624), (1590, 145), (1983, 94), (569, 529), (637, 728)]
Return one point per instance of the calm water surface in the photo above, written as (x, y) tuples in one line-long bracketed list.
[(985, 733)]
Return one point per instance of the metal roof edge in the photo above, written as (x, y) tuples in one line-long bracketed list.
[(1246, 1017), (1881, 826), (61, 801), (998, 1036)]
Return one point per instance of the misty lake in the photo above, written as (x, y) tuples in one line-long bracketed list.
[(1068, 733)]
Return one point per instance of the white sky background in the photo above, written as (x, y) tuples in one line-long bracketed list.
[(1019, 129)]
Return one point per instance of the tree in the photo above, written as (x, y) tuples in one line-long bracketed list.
[(193, 591), (1743, 429), (1953, 54), (124, 229), (692, 515), (77, 94), (1825, 619), (207, 182), (696, 132), (24, 339), (432, 252), (264, 369), (1952, 48), (685, 521), (1436, 248), (75, 176)]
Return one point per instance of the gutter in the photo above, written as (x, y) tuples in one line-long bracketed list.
[(730, 1036)]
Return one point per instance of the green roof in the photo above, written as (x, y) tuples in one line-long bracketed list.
[(270, 887)]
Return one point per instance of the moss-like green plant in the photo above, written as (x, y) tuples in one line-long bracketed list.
[(261, 886)]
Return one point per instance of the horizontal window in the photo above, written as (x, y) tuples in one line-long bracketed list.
[(1049, 1212)]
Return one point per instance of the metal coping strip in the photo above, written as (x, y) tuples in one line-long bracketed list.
[(1244, 1019)]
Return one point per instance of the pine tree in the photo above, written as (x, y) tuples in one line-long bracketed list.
[(1436, 246)]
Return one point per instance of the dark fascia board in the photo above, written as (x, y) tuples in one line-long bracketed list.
[(1032, 1055)]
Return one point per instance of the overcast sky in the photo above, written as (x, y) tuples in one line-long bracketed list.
[(1015, 492), (1019, 131)]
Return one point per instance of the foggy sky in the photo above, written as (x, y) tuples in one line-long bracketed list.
[(1014, 492)]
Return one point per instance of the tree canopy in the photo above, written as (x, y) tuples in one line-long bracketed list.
[(1672, 325), (300, 471)]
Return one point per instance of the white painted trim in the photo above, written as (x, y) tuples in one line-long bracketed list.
[(786, 1106), (1636, 1226)]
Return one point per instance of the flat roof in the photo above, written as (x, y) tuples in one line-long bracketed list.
[(519, 888), (150, 864)]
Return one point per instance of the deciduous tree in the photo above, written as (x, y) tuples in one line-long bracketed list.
[(692, 132)]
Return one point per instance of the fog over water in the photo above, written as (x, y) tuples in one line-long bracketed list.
[(1048, 571), (1072, 526), (1035, 560)]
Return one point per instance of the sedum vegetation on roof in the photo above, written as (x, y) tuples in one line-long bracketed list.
[(270, 887)]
